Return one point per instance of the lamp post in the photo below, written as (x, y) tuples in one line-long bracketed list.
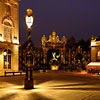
[(29, 79)]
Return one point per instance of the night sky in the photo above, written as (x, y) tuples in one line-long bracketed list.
[(78, 18)]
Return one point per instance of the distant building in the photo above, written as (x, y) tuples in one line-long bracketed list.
[(9, 35), (95, 49), (94, 65)]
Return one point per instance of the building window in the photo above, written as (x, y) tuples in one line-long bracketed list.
[(7, 31), (7, 59)]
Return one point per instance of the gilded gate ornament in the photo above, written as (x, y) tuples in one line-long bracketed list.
[(54, 43)]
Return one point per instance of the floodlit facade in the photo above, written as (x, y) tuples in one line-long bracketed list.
[(95, 49), (9, 35)]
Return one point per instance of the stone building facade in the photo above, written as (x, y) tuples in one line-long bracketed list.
[(9, 35), (95, 49)]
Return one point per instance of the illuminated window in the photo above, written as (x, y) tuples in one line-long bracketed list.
[(7, 59), (7, 31)]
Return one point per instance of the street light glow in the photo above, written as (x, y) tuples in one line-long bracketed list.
[(29, 21), (29, 18)]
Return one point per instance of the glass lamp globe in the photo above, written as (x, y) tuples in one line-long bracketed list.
[(29, 18)]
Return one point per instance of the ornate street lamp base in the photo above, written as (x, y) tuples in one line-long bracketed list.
[(28, 84)]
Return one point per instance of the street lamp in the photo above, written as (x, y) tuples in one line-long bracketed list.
[(29, 79), (29, 19)]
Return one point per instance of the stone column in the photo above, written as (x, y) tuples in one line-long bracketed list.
[(93, 54), (15, 59)]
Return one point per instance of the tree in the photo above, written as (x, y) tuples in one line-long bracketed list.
[(84, 44), (71, 43), (88, 44)]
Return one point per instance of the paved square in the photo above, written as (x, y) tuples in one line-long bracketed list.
[(51, 86)]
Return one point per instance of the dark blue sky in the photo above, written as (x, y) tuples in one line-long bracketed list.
[(79, 18)]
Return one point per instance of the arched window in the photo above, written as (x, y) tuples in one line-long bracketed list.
[(7, 31), (7, 59)]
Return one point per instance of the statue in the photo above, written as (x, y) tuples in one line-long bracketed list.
[(54, 56), (53, 33), (64, 39), (43, 40), (92, 37), (50, 38), (57, 38)]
